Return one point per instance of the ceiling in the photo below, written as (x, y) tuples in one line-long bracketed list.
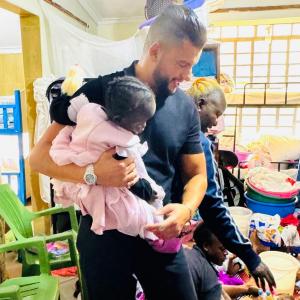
[(114, 10), (103, 10)]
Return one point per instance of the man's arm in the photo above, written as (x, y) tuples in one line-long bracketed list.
[(193, 172), (109, 171), (195, 179), (217, 217), (194, 175)]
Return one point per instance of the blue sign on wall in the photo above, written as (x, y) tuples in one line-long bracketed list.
[(207, 64)]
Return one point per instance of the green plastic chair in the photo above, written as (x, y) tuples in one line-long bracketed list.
[(42, 287), (19, 219)]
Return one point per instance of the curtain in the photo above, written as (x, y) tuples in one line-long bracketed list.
[(96, 56)]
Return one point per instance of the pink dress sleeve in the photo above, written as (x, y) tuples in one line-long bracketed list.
[(70, 145), (75, 105), (60, 149)]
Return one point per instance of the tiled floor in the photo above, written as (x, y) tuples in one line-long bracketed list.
[(67, 284)]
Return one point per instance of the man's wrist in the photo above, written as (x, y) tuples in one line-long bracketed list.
[(89, 176), (191, 212)]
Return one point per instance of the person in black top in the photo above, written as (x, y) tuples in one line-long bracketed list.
[(110, 261)]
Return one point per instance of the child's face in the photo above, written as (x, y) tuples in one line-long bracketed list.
[(209, 113), (136, 122), (216, 252), (135, 125)]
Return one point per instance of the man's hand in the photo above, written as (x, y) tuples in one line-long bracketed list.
[(177, 215), (117, 173), (262, 273)]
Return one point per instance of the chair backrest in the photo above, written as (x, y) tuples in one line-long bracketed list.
[(17, 217)]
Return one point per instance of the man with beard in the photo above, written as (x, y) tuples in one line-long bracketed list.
[(108, 261), (211, 103)]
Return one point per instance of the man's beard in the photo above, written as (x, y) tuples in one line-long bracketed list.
[(161, 83)]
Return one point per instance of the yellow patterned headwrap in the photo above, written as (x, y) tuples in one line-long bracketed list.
[(202, 87)]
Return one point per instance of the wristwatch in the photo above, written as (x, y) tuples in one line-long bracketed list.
[(89, 176)]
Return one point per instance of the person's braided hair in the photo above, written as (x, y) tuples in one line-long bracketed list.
[(125, 95), (205, 89)]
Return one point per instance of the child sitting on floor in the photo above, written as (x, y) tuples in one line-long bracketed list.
[(202, 258)]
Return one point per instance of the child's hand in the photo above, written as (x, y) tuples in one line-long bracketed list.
[(233, 268), (252, 290)]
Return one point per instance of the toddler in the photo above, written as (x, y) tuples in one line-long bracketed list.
[(129, 104)]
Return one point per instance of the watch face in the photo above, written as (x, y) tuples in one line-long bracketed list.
[(90, 178)]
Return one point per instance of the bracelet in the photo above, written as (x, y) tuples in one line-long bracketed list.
[(191, 211)]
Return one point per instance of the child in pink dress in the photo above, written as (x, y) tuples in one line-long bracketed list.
[(128, 106)]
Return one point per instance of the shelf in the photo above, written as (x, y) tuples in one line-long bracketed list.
[(11, 125)]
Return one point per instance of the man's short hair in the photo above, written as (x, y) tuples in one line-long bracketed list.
[(175, 24)]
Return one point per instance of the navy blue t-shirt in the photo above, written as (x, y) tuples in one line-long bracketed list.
[(172, 131)]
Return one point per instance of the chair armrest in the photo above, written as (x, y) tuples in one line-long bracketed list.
[(61, 236), (7, 292), (38, 242), (56, 210)]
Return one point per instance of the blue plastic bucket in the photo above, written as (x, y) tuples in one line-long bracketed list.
[(282, 209)]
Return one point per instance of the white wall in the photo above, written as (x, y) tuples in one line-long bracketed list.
[(255, 16), (34, 7), (233, 16), (75, 7), (119, 29), (10, 37), (255, 3)]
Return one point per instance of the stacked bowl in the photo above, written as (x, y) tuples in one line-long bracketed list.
[(270, 203)]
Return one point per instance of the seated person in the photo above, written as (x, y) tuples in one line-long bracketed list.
[(129, 104), (207, 252)]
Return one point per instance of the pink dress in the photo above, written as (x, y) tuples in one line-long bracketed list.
[(109, 207)]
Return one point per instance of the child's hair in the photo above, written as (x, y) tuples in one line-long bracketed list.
[(204, 89), (127, 95), (203, 235)]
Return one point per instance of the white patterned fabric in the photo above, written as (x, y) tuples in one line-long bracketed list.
[(42, 122)]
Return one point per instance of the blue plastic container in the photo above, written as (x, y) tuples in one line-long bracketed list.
[(269, 244), (270, 208)]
